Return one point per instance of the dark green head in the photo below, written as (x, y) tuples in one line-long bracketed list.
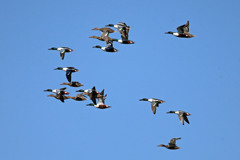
[(110, 25), (90, 104), (48, 90), (169, 32), (171, 112), (80, 90), (143, 99), (53, 48), (97, 46), (58, 68)]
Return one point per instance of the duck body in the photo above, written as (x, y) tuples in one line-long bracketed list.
[(182, 116), (124, 41), (59, 97), (154, 103), (57, 91), (99, 106), (69, 71), (79, 97), (62, 50), (73, 84), (108, 48)]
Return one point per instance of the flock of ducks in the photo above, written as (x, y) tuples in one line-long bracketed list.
[(98, 98)]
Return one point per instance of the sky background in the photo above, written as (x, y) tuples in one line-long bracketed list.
[(198, 75)]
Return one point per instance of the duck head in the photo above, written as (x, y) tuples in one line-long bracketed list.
[(80, 90), (97, 46), (53, 48), (143, 99), (48, 90), (58, 68), (169, 32), (110, 25), (171, 112)]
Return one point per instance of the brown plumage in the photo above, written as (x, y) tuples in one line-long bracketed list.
[(59, 97), (73, 84), (79, 97), (171, 145), (105, 34)]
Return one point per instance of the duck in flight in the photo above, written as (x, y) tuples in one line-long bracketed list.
[(124, 31), (171, 145), (101, 102), (59, 97), (59, 93), (73, 84), (62, 50), (181, 115), (154, 103), (79, 97), (182, 31), (108, 48), (105, 33), (69, 71)]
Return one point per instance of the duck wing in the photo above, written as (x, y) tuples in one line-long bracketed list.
[(93, 98), (62, 53), (186, 119), (68, 75), (124, 33), (181, 118), (173, 141), (154, 106), (60, 96), (109, 44), (183, 28), (101, 100)]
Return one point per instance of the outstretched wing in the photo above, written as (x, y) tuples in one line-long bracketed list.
[(183, 28), (60, 96), (62, 53), (68, 75), (124, 33), (181, 119), (186, 119), (154, 107), (172, 142), (93, 97)]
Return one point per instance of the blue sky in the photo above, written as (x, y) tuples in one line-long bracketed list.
[(198, 75)]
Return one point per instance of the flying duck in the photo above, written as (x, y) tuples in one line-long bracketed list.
[(59, 97), (92, 93), (182, 31), (59, 93), (105, 33), (69, 71), (181, 115), (62, 50), (73, 84), (171, 145), (79, 97), (101, 102), (154, 103), (108, 48)]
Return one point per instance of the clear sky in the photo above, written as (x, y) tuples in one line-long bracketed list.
[(198, 75)]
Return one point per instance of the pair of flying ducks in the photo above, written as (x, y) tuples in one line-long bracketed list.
[(155, 103)]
